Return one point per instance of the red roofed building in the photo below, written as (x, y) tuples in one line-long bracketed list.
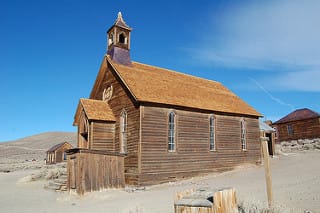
[(300, 124), (167, 124)]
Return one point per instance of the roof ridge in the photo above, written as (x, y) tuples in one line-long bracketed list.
[(298, 114), (56, 146)]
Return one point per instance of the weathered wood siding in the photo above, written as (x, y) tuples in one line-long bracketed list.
[(121, 101), (94, 171), (302, 129), (147, 159), (192, 154), (103, 136), (57, 155)]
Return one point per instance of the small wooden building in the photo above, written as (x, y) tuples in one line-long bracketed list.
[(300, 124), (267, 131), (57, 153), (167, 124)]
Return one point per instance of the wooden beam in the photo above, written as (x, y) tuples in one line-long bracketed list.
[(264, 142)]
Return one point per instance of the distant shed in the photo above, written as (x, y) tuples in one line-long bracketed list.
[(300, 124), (268, 132), (56, 154)]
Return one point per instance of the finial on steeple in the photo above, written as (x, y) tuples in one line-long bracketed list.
[(119, 15), (120, 22)]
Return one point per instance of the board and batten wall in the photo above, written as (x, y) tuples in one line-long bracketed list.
[(193, 155), (94, 170)]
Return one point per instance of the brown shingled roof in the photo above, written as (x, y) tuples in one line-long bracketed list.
[(158, 85), (57, 146), (299, 114), (95, 110)]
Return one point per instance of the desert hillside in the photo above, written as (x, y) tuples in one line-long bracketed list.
[(18, 154)]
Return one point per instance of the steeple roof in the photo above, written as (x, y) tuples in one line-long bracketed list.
[(120, 23)]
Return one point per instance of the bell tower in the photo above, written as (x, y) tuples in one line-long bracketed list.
[(119, 41)]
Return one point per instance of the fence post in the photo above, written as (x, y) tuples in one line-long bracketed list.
[(264, 142)]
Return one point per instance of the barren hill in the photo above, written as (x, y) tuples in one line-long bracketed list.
[(15, 154), (44, 140)]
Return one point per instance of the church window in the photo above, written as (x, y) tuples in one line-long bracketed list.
[(171, 132), (212, 133), (123, 132), (243, 135)]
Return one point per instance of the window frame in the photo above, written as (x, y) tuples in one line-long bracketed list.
[(212, 133), (171, 137), (290, 130), (83, 131), (276, 132), (123, 126), (243, 134)]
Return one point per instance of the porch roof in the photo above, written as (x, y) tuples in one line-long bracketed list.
[(265, 127), (94, 110)]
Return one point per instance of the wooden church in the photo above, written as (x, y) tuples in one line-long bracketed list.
[(155, 124)]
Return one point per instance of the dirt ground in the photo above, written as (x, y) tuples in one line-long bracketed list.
[(295, 180)]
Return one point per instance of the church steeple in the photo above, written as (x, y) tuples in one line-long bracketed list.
[(119, 41)]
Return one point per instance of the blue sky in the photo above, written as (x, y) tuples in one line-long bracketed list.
[(267, 52)]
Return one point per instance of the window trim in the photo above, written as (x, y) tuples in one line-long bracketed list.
[(212, 133), (172, 132), (290, 130), (276, 132), (83, 131), (123, 126), (243, 134)]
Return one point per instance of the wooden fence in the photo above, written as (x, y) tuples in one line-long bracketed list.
[(90, 170)]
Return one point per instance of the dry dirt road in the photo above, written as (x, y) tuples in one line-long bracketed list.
[(295, 178)]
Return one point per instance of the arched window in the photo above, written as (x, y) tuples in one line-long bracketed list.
[(122, 38), (123, 132), (83, 131), (212, 131), (243, 135), (171, 132)]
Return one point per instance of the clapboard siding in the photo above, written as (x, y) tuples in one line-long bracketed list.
[(121, 101), (192, 154), (103, 136)]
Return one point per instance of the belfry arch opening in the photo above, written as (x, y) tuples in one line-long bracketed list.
[(122, 38)]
